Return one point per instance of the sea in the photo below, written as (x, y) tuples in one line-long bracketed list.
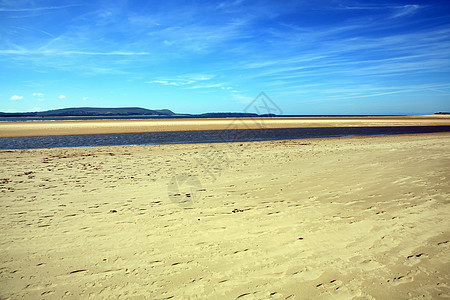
[(205, 136)]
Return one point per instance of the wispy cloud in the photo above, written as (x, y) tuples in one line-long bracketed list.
[(35, 9), (406, 10), (208, 86), (393, 11), (55, 52), (241, 98), (166, 82), (28, 29), (62, 96), (183, 80), (395, 54), (386, 90), (196, 82)]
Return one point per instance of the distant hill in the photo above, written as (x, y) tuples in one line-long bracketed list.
[(165, 112), (125, 111), (93, 111)]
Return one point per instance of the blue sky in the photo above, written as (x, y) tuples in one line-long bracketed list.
[(309, 57)]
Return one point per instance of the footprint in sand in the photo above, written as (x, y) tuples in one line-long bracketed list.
[(401, 279), (184, 189), (414, 259)]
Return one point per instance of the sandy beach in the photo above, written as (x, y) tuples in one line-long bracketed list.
[(341, 218), (71, 127)]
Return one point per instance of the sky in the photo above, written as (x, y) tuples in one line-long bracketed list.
[(309, 57)]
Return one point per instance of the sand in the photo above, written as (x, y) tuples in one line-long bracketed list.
[(71, 127), (341, 218)]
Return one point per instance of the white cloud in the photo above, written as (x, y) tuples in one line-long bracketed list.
[(84, 98), (62, 96), (15, 97), (38, 94)]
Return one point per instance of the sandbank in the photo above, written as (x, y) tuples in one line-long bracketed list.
[(71, 127)]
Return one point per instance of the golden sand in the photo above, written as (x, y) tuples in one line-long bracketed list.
[(40, 128), (338, 218)]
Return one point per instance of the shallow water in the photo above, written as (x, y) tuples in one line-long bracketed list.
[(83, 118), (207, 136)]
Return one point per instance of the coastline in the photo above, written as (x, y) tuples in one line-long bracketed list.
[(319, 218), (71, 127)]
